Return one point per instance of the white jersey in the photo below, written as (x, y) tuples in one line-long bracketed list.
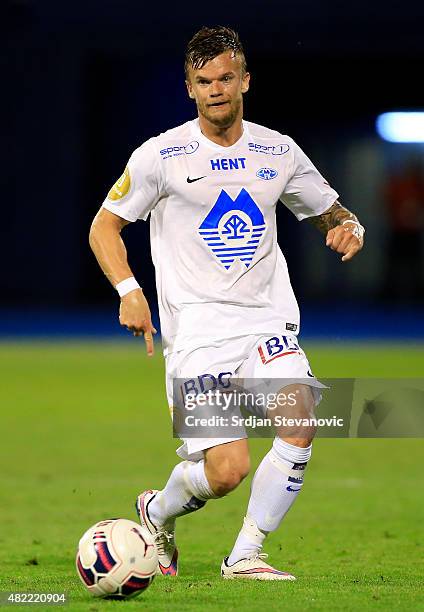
[(219, 270)]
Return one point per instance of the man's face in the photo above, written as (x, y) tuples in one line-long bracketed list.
[(217, 89)]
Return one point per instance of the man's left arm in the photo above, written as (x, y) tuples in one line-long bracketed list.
[(344, 234)]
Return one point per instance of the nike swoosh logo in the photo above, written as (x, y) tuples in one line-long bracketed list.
[(190, 180)]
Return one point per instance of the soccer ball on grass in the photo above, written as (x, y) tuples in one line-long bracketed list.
[(116, 558)]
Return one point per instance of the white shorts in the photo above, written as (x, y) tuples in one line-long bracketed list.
[(247, 357)]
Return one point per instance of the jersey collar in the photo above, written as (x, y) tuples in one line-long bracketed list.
[(213, 145)]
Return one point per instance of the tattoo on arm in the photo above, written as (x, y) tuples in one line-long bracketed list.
[(334, 216)]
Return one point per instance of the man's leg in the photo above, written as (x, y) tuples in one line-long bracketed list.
[(187, 490), (226, 465), (192, 484), (279, 477)]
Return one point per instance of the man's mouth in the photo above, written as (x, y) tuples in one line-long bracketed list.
[(217, 104)]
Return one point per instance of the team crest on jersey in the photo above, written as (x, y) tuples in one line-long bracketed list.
[(121, 187), (233, 228), (266, 174)]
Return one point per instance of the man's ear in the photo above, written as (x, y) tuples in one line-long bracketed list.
[(189, 90), (245, 83)]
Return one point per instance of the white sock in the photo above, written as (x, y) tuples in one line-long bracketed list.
[(186, 491), (275, 486), (249, 541)]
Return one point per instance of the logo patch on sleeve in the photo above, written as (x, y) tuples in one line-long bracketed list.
[(121, 187)]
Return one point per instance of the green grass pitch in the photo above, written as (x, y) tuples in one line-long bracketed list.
[(85, 427)]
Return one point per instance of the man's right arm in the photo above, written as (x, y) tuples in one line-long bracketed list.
[(109, 249)]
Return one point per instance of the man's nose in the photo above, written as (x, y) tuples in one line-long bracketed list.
[(215, 89)]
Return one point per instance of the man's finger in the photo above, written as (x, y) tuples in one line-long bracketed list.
[(337, 238), (343, 238), (132, 326), (330, 237), (350, 253), (346, 243), (148, 338)]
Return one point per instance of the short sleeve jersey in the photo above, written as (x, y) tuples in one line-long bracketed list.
[(219, 270)]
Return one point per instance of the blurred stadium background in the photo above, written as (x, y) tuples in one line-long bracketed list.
[(85, 83)]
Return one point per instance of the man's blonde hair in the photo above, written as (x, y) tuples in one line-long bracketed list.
[(207, 43)]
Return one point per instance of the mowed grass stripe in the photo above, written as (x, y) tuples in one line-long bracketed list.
[(86, 427)]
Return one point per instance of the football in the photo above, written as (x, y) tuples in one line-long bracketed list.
[(116, 558)]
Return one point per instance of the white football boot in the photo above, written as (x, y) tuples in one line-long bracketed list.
[(253, 568), (164, 538)]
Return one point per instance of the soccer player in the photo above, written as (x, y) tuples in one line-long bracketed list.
[(226, 304)]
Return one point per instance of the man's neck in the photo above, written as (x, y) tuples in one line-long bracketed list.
[(224, 136)]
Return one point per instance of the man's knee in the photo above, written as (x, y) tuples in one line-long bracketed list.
[(226, 470), (297, 424), (229, 475)]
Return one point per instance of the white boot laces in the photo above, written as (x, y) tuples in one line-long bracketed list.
[(162, 540), (262, 556)]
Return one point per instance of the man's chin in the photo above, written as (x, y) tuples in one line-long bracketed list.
[(221, 120)]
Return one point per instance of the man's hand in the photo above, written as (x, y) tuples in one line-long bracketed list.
[(346, 239), (134, 314), (342, 230)]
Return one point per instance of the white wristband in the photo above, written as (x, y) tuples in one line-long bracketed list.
[(359, 230), (127, 285)]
